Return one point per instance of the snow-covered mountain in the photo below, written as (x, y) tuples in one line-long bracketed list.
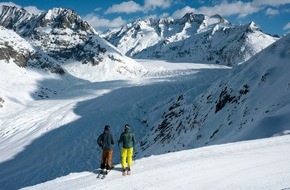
[(193, 38), (252, 102), (49, 120), (62, 35), (16, 49)]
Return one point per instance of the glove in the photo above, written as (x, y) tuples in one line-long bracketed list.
[(101, 146)]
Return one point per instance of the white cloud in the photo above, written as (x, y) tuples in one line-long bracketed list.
[(226, 9), (271, 11), (30, 9), (274, 3), (153, 4), (125, 7), (33, 10), (102, 23), (164, 15), (98, 9), (287, 26), (240, 8), (181, 12), (151, 16), (9, 4), (154, 16), (132, 7)]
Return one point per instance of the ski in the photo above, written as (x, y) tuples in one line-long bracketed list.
[(100, 174), (103, 174)]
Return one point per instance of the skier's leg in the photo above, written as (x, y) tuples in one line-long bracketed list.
[(130, 156), (109, 159), (130, 160), (103, 162), (124, 158)]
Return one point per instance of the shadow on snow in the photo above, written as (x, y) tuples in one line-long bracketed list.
[(72, 148)]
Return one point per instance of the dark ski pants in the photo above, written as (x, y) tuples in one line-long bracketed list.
[(107, 156)]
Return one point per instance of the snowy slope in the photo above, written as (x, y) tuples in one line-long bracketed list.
[(252, 165), (193, 38), (23, 68), (252, 102), (53, 137)]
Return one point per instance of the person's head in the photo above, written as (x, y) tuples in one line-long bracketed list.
[(107, 127), (127, 127)]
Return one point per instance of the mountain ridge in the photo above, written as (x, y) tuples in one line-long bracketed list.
[(64, 37), (192, 38)]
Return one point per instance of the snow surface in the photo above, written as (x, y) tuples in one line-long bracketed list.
[(49, 127), (251, 165)]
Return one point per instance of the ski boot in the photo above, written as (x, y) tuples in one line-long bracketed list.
[(124, 172), (128, 170)]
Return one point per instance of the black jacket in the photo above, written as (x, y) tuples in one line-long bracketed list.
[(106, 140)]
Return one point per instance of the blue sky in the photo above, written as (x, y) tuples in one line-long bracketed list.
[(273, 16)]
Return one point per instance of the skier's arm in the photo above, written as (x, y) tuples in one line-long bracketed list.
[(100, 141), (133, 140), (120, 139), (112, 139)]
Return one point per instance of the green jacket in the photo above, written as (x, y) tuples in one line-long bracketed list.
[(127, 139)]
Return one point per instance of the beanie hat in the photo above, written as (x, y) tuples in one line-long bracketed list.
[(127, 126), (107, 127)]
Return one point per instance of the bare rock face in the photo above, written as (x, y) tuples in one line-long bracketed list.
[(7, 53), (16, 49)]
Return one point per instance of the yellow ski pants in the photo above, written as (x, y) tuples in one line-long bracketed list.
[(127, 154)]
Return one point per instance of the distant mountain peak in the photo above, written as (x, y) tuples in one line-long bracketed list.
[(10, 16), (192, 17), (253, 26), (64, 18), (221, 19), (193, 38), (11, 7), (60, 35)]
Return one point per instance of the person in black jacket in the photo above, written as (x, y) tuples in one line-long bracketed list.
[(106, 142)]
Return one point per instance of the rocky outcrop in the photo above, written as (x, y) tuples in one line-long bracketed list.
[(1, 102)]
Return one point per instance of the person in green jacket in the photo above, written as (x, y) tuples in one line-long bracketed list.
[(127, 138)]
